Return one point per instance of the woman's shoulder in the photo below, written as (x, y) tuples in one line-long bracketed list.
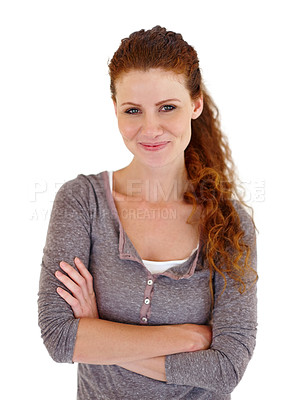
[(83, 181), (83, 186)]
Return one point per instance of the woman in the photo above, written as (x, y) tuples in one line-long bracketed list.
[(155, 296)]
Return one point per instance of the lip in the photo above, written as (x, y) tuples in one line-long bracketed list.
[(154, 146)]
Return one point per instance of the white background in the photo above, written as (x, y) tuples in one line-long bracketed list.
[(57, 121)]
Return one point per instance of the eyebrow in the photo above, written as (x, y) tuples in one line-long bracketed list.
[(157, 104)]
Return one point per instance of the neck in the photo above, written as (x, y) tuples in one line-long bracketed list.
[(152, 184)]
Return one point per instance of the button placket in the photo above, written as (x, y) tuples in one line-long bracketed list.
[(146, 306)]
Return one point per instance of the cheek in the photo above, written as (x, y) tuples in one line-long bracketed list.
[(128, 129), (181, 125)]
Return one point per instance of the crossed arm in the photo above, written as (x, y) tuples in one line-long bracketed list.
[(141, 349)]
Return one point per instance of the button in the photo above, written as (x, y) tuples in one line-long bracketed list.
[(144, 319), (150, 282), (147, 301)]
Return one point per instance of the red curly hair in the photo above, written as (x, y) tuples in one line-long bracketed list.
[(210, 168)]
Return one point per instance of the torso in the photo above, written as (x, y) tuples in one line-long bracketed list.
[(159, 233)]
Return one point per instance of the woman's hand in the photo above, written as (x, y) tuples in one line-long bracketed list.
[(83, 299)]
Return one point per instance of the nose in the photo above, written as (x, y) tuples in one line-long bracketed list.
[(151, 126)]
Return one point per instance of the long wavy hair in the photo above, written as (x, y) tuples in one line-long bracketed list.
[(210, 168)]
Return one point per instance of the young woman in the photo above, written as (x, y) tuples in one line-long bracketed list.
[(148, 274)]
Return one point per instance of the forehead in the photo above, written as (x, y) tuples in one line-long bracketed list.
[(153, 81)]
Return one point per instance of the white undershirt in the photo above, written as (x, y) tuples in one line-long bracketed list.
[(155, 267)]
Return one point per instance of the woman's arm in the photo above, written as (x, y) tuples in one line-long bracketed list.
[(69, 234), (220, 368), (155, 367), (105, 342)]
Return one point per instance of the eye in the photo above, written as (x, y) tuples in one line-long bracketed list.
[(132, 111), (167, 108)]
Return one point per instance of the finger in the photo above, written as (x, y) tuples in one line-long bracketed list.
[(72, 286), (74, 303), (75, 276), (86, 274)]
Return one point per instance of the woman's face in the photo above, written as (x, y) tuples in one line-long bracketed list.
[(154, 111)]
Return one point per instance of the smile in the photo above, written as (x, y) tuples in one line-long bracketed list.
[(154, 146)]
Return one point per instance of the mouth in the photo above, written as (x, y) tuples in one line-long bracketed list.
[(154, 146)]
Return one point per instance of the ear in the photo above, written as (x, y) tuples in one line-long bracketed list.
[(115, 107), (197, 107)]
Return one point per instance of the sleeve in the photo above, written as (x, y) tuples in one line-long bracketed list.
[(220, 368), (68, 236)]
